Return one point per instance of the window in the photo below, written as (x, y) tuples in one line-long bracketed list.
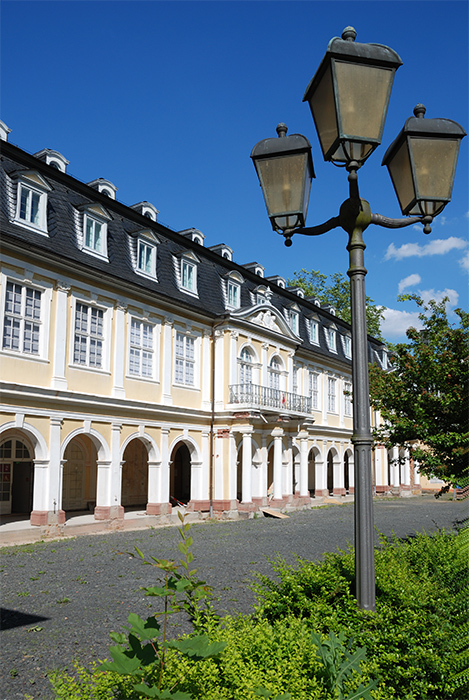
[(188, 276), (331, 339), (348, 399), (233, 295), (314, 332), (294, 321), (295, 380), (185, 356), (95, 235), (314, 389), (245, 367), (331, 394), (141, 349), (88, 336), (22, 320), (146, 258), (347, 345), (32, 204), (274, 373)]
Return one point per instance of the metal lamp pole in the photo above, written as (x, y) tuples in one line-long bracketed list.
[(350, 119)]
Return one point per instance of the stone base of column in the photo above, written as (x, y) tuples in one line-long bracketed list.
[(220, 505), (109, 513), (339, 491), (247, 506), (47, 517), (278, 502), (351, 490), (260, 501), (300, 501), (384, 488), (158, 508), (198, 506), (321, 493), (405, 490)]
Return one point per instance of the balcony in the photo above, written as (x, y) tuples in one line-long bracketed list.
[(255, 396)]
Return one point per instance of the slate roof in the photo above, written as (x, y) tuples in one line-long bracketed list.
[(64, 206)]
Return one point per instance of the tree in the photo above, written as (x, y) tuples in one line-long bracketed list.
[(337, 294), (423, 400)]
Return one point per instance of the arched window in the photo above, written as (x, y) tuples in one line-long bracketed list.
[(245, 367), (274, 373)]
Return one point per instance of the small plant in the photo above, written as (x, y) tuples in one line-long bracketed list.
[(144, 649), (63, 601), (339, 663), (13, 672), (22, 594)]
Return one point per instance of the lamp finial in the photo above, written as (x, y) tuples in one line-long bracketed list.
[(419, 111), (282, 130), (349, 34)]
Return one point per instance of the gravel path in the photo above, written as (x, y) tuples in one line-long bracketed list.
[(62, 598)]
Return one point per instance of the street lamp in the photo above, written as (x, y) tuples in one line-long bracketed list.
[(349, 97)]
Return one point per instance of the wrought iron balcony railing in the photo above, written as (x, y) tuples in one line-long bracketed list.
[(256, 396)]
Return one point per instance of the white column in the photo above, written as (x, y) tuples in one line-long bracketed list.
[(206, 370), (406, 470), (218, 461), (205, 476), (395, 467), (165, 465), (115, 474), (338, 478), (103, 490), (247, 466), (303, 438), (154, 484), (320, 477), (264, 381), (60, 336), (288, 468), (416, 474), (54, 495), (277, 434), (119, 350), (233, 468), (234, 357), (167, 363), (219, 371)]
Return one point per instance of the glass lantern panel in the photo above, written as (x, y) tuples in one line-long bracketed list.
[(283, 183), (434, 161), (362, 93), (401, 175), (322, 106)]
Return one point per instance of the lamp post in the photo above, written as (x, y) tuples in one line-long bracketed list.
[(349, 97)]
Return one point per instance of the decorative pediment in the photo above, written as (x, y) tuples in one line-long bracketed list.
[(268, 317), (34, 178), (146, 233), (188, 255), (96, 209), (235, 276)]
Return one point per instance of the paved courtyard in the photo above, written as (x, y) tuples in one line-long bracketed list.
[(60, 599)]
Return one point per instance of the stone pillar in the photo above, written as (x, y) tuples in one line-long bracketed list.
[(154, 505), (303, 438), (405, 485), (395, 467), (247, 466), (58, 380), (47, 496), (277, 434), (167, 363), (119, 351), (338, 488), (321, 474)]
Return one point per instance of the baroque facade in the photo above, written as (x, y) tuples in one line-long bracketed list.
[(140, 367)]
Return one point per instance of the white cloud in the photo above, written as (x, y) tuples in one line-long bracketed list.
[(464, 262), (438, 295), (409, 281), (439, 246), (397, 322)]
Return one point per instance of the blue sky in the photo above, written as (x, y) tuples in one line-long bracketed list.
[(167, 99)]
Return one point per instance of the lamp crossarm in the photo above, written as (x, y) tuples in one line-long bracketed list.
[(328, 225), (387, 222)]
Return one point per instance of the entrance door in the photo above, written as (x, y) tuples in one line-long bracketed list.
[(22, 489), (17, 476), (180, 484), (73, 478)]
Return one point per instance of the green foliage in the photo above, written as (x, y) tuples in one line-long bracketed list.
[(424, 400), (415, 640), (337, 294)]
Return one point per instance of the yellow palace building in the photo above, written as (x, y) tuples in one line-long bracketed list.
[(141, 367)]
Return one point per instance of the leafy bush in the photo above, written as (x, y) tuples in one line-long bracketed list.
[(294, 646)]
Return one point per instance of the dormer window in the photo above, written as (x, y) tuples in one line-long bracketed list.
[(233, 289), (53, 158), (294, 319), (104, 186), (95, 220), (31, 210), (255, 267), (188, 276), (347, 343), (186, 271), (146, 209), (331, 338), (279, 281), (314, 331), (223, 250), (194, 235), (145, 253)]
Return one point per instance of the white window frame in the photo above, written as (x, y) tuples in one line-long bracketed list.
[(331, 395), (314, 332), (331, 338), (95, 220), (43, 321), (142, 353), (246, 366), (347, 345), (144, 244), (23, 314), (294, 321), (188, 284), (274, 372), (185, 360), (348, 399), (39, 224), (233, 294), (104, 336), (314, 389)]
